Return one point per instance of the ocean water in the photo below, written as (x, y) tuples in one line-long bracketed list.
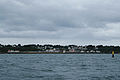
[(59, 67)]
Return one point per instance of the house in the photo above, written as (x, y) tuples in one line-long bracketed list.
[(13, 51)]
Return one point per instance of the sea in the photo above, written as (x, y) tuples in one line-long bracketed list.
[(59, 67)]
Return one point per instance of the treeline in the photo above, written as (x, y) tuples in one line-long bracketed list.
[(38, 47)]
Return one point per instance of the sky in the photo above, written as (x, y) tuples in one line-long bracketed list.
[(79, 22)]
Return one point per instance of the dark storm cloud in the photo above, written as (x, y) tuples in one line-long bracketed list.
[(56, 19)]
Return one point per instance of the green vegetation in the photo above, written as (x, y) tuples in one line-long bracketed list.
[(59, 48)]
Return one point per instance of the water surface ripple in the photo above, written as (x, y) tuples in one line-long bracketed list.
[(59, 67)]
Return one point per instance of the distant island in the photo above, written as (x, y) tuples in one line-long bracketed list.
[(58, 49)]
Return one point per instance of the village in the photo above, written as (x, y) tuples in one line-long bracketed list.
[(55, 49), (48, 48)]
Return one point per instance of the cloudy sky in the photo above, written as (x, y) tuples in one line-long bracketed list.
[(63, 22)]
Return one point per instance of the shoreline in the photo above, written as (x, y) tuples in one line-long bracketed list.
[(56, 53)]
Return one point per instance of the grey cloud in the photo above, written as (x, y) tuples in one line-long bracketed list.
[(56, 19)]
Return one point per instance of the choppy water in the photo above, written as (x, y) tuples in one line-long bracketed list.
[(59, 67)]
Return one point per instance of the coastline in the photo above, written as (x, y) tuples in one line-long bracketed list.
[(56, 53)]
